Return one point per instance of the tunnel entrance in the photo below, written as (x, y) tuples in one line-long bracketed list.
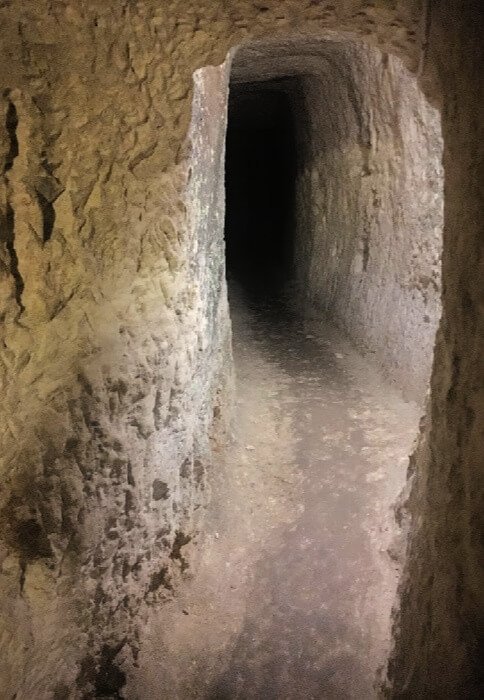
[(260, 186), (333, 175)]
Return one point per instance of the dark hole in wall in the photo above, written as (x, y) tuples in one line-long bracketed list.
[(48, 216), (260, 185), (11, 126)]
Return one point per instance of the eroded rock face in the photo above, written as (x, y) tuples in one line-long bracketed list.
[(115, 359), (440, 629), (114, 352), (374, 181)]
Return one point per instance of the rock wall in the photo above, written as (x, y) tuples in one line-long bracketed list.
[(440, 628), (370, 209), (115, 339), (113, 347)]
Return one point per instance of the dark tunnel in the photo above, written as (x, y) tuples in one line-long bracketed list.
[(260, 187)]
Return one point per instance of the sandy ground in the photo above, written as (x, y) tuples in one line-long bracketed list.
[(292, 593)]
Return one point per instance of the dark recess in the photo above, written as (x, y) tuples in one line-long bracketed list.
[(260, 185)]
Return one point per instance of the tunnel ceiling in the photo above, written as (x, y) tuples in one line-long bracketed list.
[(268, 60)]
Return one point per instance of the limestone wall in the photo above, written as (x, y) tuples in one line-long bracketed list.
[(115, 351), (370, 199), (440, 629)]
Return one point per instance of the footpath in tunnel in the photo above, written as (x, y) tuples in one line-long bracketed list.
[(293, 592)]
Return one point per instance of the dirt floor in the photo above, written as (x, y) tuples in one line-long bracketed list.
[(292, 594)]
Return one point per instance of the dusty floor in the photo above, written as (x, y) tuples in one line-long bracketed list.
[(293, 590)]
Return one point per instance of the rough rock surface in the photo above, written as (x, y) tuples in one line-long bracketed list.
[(109, 374), (440, 630)]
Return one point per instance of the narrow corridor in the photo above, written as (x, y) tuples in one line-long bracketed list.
[(293, 593), (293, 580)]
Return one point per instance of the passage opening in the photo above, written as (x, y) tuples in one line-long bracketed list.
[(260, 186), (334, 195)]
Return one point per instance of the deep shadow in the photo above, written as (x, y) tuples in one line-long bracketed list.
[(260, 184)]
